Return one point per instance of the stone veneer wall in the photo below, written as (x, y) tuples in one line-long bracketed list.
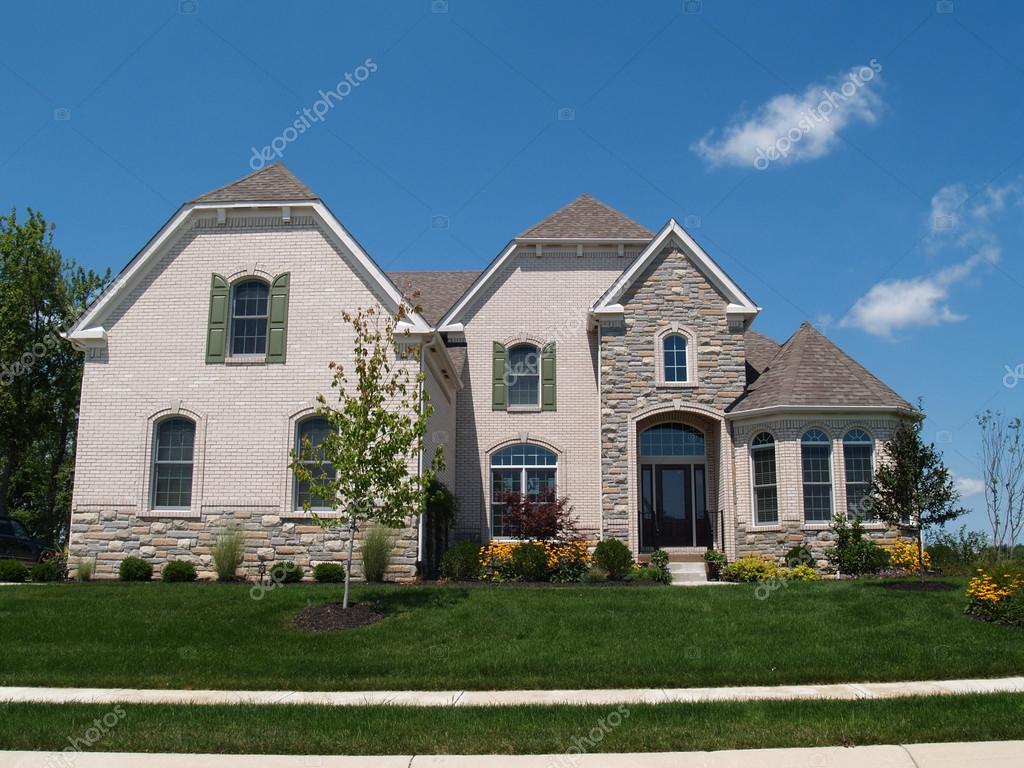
[(776, 540), (154, 367), (671, 290)]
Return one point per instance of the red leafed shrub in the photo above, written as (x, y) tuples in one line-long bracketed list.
[(544, 518)]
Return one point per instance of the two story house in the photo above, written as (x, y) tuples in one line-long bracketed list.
[(593, 356)]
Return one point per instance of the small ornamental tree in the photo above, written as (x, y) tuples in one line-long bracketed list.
[(374, 429), (912, 488), (545, 517)]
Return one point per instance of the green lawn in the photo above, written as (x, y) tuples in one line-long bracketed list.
[(216, 636), (404, 730)]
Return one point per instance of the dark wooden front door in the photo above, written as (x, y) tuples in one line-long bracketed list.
[(673, 509)]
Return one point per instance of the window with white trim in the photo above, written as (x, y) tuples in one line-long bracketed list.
[(523, 374), (766, 493), (858, 461), (173, 451), (523, 468), (250, 300), (816, 461), (309, 435), (674, 349)]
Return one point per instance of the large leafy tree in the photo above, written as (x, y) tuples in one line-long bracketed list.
[(375, 428), (41, 295), (913, 489)]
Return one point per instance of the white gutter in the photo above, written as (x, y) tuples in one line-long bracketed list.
[(823, 409)]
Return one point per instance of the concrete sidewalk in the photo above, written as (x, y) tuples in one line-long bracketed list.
[(990, 754), (599, 697)]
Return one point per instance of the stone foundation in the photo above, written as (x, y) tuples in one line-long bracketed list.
[(774, 543)]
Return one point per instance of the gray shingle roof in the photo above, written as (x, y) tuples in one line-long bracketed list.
[(438, 291), (275, 182), (586, 217), (760, 351), (809, 370)]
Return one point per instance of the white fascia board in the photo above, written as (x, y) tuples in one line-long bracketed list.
[(150, 253), (698, 255), (610, 309), (830, 409), (574, 240), (451, 319), (454, 382), (452, 328)]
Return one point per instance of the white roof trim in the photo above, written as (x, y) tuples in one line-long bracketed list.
[(453, 317), (823, 409), (739, 302), (594, 240), (137, 268)]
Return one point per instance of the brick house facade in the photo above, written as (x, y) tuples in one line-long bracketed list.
[(593, 355)]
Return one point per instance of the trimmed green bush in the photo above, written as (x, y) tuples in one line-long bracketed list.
[(659, 560), (329, 573), (376, 552), (614, 558), (853, 554), (750, 568), (461, 562), (135, 569), (799, 573), (649, 573), (13, 571), (530, 562), (178, 570), (47, 570), (595, 575), (285, 572), (799, 555)]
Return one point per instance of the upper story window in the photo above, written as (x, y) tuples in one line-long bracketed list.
[(816, 460), (173, 450), (766, 494), (250, 300), (523, 374), (858, 461), (523, 468), (309, 436), (674, 348)]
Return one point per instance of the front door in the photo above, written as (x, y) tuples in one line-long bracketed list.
[(673, 509)]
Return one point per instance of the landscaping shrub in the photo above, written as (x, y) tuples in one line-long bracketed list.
[(285, 572), (13, 571), (853, 554), (903, 556), (329, 573), (376, 552), (996, 594), (614, 558), (178, 570), (595, 575), (135, 569), (648, 573), (540, 518), (799, 573), (461, 562), (530, 561), (85, 568), (799, 555), (48, 570), (954, 554), (715, 562), (227, 553), (567, 562), (750, 568), (659, 559)]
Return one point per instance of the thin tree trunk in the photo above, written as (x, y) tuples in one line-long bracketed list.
[(5, 482), (348, 569), (920, 552)]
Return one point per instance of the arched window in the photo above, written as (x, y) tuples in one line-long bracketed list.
[(523, 375), (858, 459), (816, 458), (173, 449), (766, 494), (522, 468), (674, 350), (671, 440), (249, 302), (309, 435)]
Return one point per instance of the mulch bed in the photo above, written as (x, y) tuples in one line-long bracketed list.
[(329, 617), (918, 586)]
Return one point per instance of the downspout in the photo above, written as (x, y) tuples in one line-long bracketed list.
[(600, 436), (421, 527)]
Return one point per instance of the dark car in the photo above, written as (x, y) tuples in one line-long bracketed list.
[(16, 543)]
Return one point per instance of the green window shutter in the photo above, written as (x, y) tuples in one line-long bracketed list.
[(499, 388), (217, 325), (547, 377), (277, 324)]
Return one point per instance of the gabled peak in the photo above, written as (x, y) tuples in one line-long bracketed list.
[(587, 219), (275, 182)]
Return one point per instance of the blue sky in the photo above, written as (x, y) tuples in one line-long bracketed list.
[(892, 218)]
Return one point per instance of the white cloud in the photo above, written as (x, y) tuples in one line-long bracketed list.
[(969, 486), (958, 220), (793, 127)]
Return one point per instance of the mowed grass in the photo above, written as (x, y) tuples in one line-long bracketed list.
[(217, 636), (511, 730)]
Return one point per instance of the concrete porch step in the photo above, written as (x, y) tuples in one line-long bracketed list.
[(687, 572)]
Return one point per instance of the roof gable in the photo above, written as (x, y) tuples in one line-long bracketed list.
[(587, 219), (275, 182), (811, 371), (437, 291)]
